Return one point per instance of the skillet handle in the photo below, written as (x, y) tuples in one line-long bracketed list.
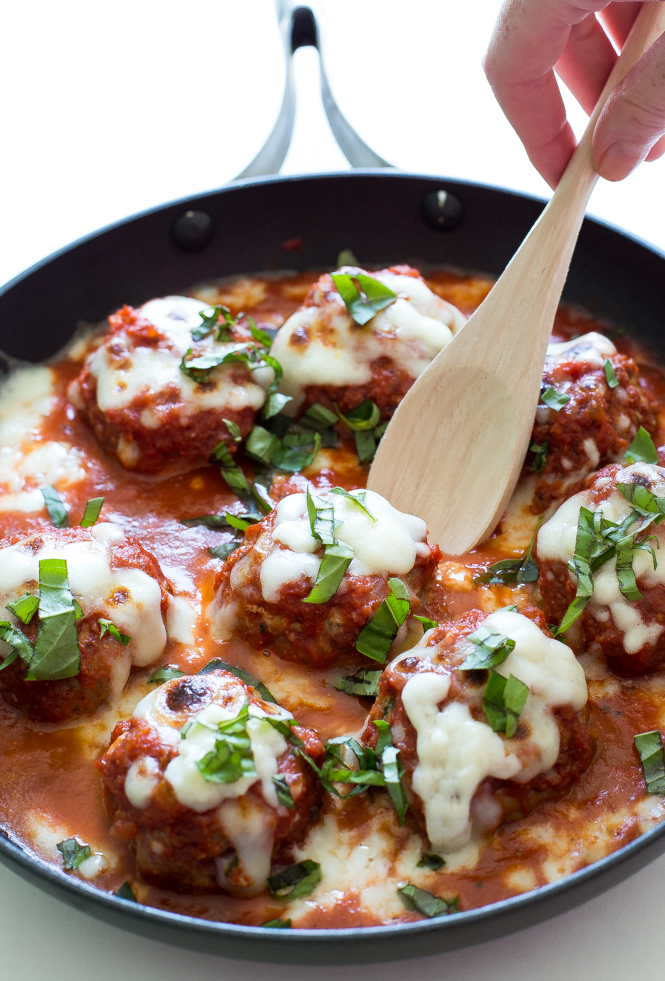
[(299, 29)]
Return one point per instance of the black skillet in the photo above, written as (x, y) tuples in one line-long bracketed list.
[(254, 224)]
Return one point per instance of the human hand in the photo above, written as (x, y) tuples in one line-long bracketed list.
[(533, 37)]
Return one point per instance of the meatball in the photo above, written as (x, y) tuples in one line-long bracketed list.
[(70, 661), (141, 404), (204, 813), (597, 423), (623, 622), (263, 588), (465, 768), (329, 358)]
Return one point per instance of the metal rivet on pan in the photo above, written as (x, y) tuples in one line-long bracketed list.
[(192, 231), (442, 211)]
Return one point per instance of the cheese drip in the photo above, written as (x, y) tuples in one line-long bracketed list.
[(592, 348), (322, 345), (125, 372), (130, 598), (457, 752), (556, 543)]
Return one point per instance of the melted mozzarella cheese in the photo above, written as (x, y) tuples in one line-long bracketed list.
[(251, 832), (324, 346), (130, 598), (28, 462), (556, 543), (122, 376), (591, 348), (387, 544), (142, 778), (456, 752)]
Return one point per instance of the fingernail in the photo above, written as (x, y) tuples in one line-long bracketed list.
[(618, 161)]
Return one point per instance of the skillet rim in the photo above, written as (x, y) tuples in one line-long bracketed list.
[(302, 945)]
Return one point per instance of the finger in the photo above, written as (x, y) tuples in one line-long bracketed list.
[(527, 41), (617, 19), (586, 62), (633, 119), (656, 151)]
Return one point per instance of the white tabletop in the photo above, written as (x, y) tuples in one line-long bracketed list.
[(112, 108)]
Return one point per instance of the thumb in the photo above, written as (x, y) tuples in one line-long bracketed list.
[(633, 119)]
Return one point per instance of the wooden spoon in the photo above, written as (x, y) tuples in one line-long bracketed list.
[(454, 449)]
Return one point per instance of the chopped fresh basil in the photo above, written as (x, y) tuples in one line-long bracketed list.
[(284, 727), (649, 746), (610, 374), (364, 682), (277, 924), (296, 881), (426, 622), (25, 607), (318, 417), (242, 521), (376, 637), (9, 659), (392, 774), (358, 499), (223, 551), (232, 758), (346, 258), (641, 450), (262, 445), (212, 521), (363, 296), (126, 892), (509, 571), (56, 653), (73, 853), (554, 399), (107, 625), (57, 511), (236, 479), (364, 423), (92, 511), (283, 792), (503, 701), (16, 639), (199, 368), (291, 454), (430, 861), (218, 665), (424, 902), (165, 674), (234, 430), (211, 322), (321, 520), (336, 561), (540, 456), (491, 649), (274, 404)]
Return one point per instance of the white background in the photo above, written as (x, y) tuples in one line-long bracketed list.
[(107, 109)]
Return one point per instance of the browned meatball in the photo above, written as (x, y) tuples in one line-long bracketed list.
[(595, 426), (190, 830), (115, 581), (262, 589), (144, 408), (329, 358), (627, 630), (459, 774)]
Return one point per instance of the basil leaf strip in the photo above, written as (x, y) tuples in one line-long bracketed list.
[(509, 571), (554, 399), (540, 456), (649, 746), (223, 551), (212, 521), (346, 258), (25, 607), (364, 682), (232, 757), (57, 511), (296, 881), (376, 638), (363, 418), (234, 430), (107, 625), (218, 665), (430, 861), (424, 902), (277, 924), (165, 674), (92, 511), (358, 499), (73, 853), (283, 792), (56, 653), (336, 561), (610, 374), (16, 639), (503, 701), (363, 296), (126, 892), (491, 650), (236, 479), (426, 622), (318, 417), (9, 659), (641, 450), (211, 322)]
